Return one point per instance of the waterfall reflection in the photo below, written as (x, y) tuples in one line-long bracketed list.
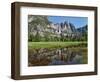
[(61, 56)]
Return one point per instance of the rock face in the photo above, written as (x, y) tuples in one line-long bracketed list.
[(65, 29), (83, 29)]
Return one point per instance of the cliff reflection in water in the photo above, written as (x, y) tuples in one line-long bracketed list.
[(61, 56)]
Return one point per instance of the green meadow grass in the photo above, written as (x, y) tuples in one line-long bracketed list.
[(37, 45)]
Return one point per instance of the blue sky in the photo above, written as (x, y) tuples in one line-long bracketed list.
[(77, 21)]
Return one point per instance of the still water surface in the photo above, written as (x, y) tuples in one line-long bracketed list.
[(60, 56)]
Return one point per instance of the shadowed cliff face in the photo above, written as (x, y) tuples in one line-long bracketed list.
[(60, 56), (83, 29)]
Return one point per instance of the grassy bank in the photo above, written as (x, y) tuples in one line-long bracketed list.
[(37, 45)]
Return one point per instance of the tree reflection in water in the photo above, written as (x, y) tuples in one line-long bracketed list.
[(61, 56)]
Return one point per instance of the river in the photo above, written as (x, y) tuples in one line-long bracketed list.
[(57, 56)]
